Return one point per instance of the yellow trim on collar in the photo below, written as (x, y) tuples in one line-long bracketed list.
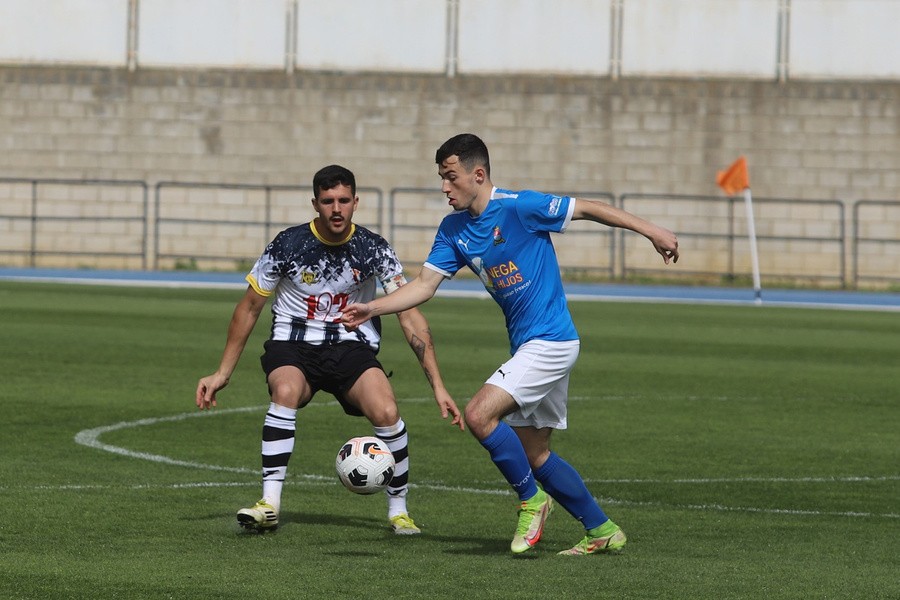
[(326, 242)]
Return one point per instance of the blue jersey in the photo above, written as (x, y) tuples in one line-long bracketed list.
[(508, 246)]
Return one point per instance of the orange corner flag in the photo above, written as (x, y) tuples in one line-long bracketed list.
[(735, 179)]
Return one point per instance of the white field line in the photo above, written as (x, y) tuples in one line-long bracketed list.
[(850, 479), (318, 480), (751, 509), (91, 438)]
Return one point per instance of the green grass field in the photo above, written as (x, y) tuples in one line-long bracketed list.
[(748, 452)]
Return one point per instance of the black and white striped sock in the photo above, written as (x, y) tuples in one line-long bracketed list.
[(397, 441), (277, 447)]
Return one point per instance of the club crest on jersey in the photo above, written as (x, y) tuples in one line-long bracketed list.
[(308, 277), (498, 237)]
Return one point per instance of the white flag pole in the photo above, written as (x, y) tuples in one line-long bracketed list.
[(754, 255)]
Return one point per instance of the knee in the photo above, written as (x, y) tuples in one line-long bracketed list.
[(285, 393), (480, 423), (471, 415), (384, 415)]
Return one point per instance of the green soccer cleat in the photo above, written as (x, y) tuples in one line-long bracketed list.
[(533, 514), (402, 524), (610, 544), (261, 516)]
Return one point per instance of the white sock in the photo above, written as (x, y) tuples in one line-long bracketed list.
[(272, 493)]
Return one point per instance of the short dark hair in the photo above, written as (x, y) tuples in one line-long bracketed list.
[(469, 148), (331, 176)]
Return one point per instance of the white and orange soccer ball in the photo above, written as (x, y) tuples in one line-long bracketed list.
[(365, 465)]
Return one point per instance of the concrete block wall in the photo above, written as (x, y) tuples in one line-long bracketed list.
[(803, 140)]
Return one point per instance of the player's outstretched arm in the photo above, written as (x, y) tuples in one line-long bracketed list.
[(418, 334), (245, 315), (663, 240), (414, 293)]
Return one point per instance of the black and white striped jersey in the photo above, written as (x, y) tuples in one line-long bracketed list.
[(313, 280)]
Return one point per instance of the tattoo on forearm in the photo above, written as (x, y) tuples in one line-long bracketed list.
[(418, 347)]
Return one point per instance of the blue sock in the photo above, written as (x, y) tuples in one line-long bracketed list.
[(508, 454), (565, 485)]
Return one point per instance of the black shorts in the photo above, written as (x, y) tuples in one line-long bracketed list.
[(332, 368)]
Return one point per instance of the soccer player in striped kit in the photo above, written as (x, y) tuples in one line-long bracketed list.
[(312, 272)]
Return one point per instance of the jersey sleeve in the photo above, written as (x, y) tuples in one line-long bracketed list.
[(390, 270), (545, 212), (267, 272), (443, 257)]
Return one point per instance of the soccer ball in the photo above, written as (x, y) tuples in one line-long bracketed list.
[(365, 465)]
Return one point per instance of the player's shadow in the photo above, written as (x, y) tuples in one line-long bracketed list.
[(467, 545), (288, 520), (339, 520), (461, 545)]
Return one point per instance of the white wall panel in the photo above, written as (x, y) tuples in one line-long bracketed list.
[(212, 33), (534, 36), (363, 35), (64, 31), (856, 39), (691, 38), (852, 39)]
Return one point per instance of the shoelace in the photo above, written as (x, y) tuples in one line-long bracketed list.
[(524, 526)]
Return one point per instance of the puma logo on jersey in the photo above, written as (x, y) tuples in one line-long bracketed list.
[(464, 244)]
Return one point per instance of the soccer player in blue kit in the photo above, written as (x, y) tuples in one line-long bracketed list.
[(504, 238)]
